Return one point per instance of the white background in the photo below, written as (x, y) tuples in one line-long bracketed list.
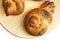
[(54, 35)]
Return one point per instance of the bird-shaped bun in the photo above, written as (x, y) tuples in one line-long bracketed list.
[(37, 20), (13, 7)]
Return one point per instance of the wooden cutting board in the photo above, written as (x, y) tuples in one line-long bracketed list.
[(15, 24)]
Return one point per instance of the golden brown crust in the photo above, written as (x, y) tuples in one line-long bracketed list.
[(37, 21), (13, 7), (48, 6), (37, 0)]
